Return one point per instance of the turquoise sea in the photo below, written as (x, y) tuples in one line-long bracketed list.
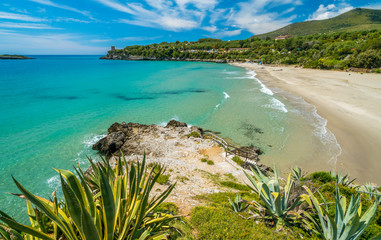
[(53, 108)]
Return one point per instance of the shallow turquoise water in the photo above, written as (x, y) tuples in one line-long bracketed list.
[(54, 108)]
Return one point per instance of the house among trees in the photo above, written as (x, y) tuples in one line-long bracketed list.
[(282, 37), (112, 48)]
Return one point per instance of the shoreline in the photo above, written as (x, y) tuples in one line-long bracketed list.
[(348, 101)]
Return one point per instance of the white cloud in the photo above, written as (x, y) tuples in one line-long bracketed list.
[(177, 15), (53, 4), (20, 17), (14, 43), (255, 15), (227, 33), (25, 25), (73, 20), (329, 11), (210, 28)]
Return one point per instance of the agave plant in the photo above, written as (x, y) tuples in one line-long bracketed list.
[(347, 224), (278, 207), (371, 191), (342, 179), (237, 204), (107, 204), (297, 173)]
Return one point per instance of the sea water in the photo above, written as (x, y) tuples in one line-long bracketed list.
[(54, 108)]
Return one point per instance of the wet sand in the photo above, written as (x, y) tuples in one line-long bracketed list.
[(351, 102)]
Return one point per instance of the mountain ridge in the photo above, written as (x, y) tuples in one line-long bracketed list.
[(354, 20)]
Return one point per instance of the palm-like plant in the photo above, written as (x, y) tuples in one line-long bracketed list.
[(278, 206), (237, 204), (107, 204), (347, 224)]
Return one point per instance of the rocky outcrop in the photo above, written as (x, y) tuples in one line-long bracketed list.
[(174, 123), (157, 141), (131, 138)]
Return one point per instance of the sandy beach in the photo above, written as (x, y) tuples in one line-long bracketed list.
[(351, 102)]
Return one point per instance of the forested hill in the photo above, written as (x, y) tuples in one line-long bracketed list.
[(355, 20), (343, 50)]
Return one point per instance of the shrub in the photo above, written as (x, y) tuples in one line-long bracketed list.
[(204, 160), (238, 160), (210, 162), (234, 185), (163, 179), (377, 70), (222, 223), (321, 177), (194, 134)]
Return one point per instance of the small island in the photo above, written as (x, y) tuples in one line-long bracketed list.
[(13, 57)]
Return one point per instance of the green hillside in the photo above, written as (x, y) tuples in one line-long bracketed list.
[(355, 20)]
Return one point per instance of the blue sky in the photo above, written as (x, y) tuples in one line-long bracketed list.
[(92, 26)]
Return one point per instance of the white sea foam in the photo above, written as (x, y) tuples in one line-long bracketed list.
[(278, 105), (217, 106), (54, 182), (163, 124), (230, 72), (319, 124), (263, 89), (226, 95), (91, 140)]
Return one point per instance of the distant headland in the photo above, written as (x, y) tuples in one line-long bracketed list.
[(14, 57)]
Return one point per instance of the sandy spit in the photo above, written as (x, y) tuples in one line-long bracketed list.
[(351, 102)]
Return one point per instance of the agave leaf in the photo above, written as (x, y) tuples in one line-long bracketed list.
[(26, 229), (64, 226), (108, 207), (74, 184)]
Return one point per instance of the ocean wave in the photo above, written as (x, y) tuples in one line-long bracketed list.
[(164, 123), (319, 124), (263, 89), (226, 95), (278, 105), (229, 72), (54, 182), (90, 141)]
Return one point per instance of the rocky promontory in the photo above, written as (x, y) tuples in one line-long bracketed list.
[(196, 162)]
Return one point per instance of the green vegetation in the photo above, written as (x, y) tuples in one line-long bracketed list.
[(339, 50), (7, 56), (238, 160), (347, 222), (116, 203), (342, 179), (237, 204), (210, 162), (356, 20), (106, 204), (234, 185), (204, 160), (194, 134), (297, 173), (278, 206), (320, 177)]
